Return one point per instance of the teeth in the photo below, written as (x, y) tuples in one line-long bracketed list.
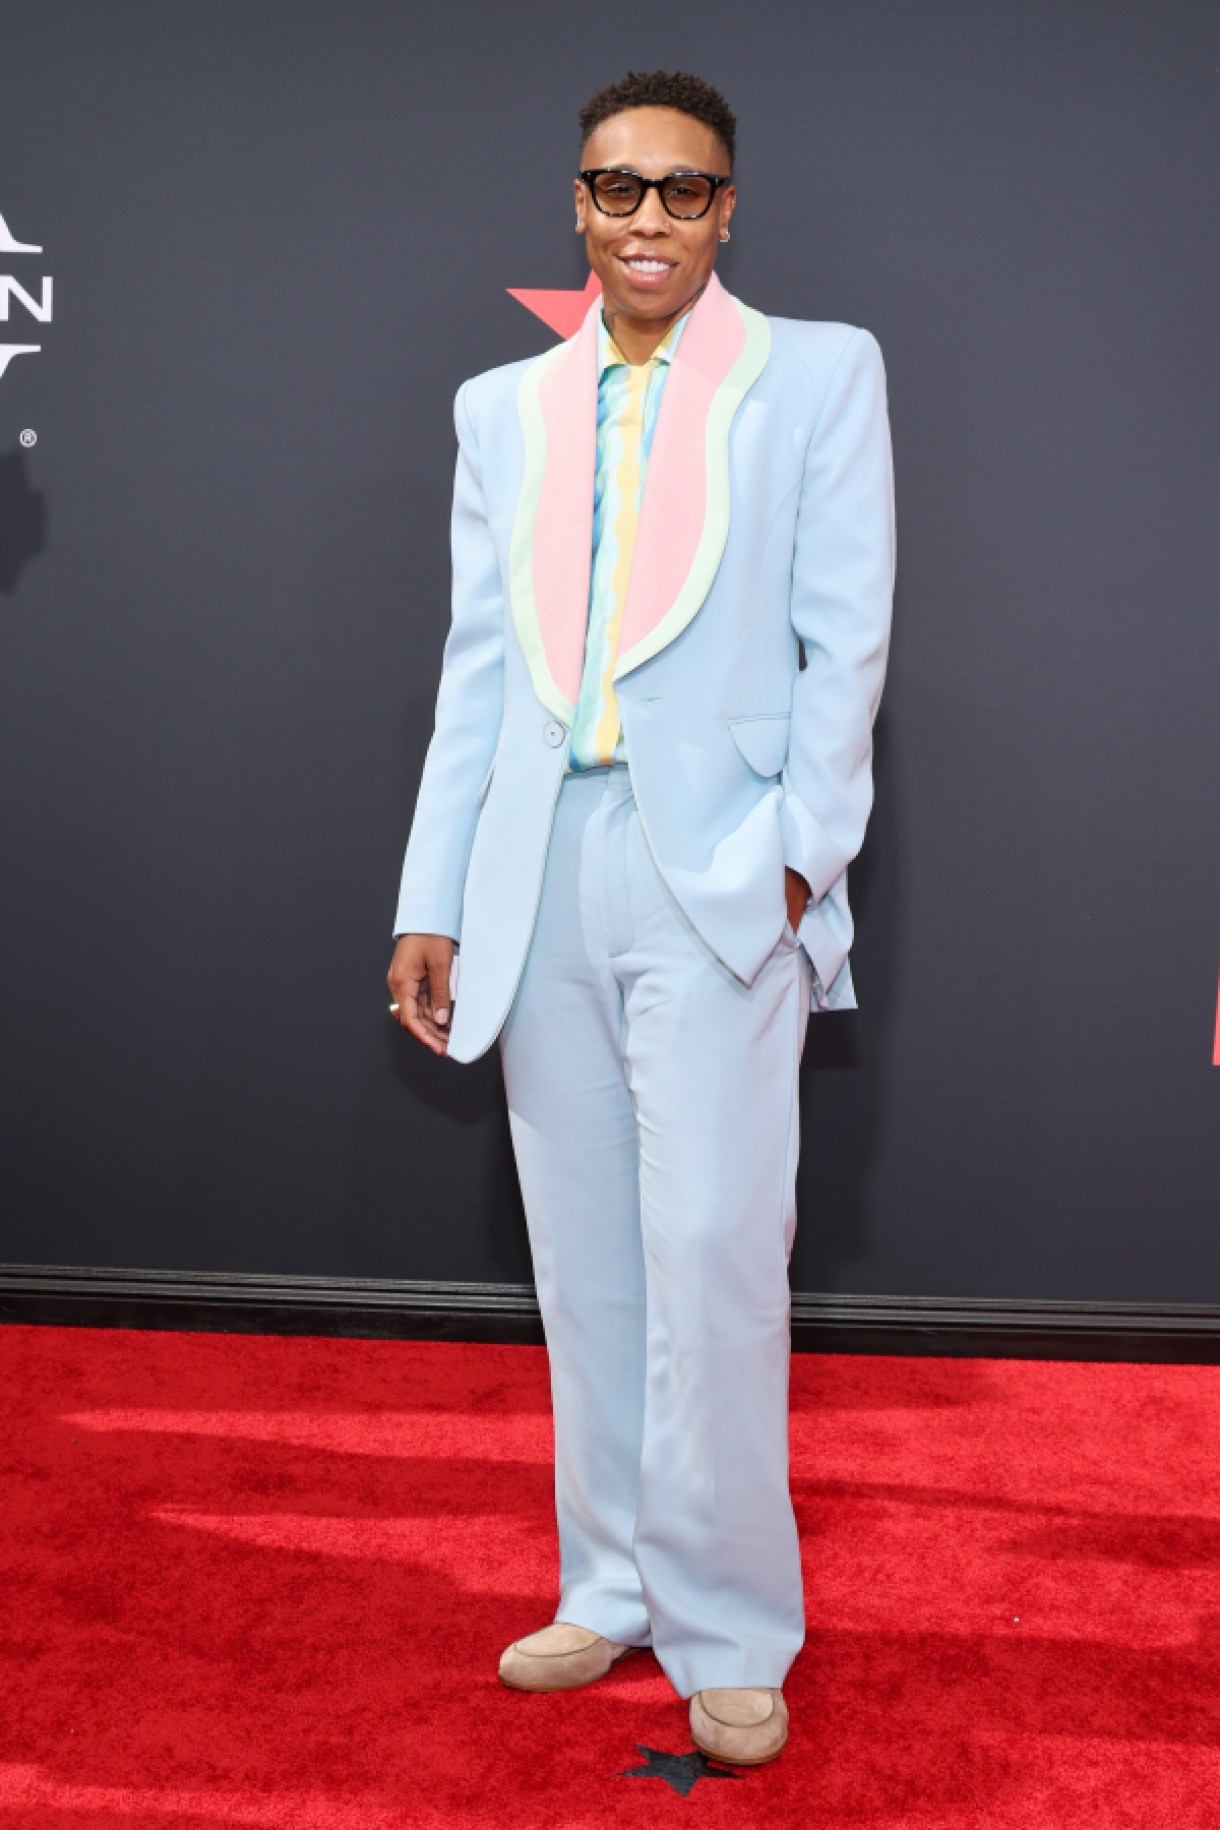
[(648, 266)]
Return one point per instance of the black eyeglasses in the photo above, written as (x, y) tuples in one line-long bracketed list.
[(686, 195)]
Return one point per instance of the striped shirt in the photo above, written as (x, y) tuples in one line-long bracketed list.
[(628, 401)]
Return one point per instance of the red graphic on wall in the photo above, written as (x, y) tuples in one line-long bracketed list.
[(562, 311)]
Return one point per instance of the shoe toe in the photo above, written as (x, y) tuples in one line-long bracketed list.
[(747, 1725), (555, 1641), (560, 1656), (739, 1708)]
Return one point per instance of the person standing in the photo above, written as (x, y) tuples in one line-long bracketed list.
[(673, 567)]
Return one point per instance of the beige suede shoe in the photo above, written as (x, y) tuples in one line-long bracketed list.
[(744, 1727), (559, 1657)]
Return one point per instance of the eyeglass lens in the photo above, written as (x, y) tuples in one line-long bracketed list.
[(684, 194)]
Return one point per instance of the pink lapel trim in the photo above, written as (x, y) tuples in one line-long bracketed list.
[(675, 502)]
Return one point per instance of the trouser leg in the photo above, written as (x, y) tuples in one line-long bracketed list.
[(712, 1069), (654, 1115), (574, 1139)]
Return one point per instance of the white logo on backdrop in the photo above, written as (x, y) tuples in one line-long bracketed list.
[(41, 309)]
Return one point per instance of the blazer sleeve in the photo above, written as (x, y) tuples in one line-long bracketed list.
[(469, 710), (843, 573)]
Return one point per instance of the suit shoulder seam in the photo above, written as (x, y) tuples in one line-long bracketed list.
[(854, 330)]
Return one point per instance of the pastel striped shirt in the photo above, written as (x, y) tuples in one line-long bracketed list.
[(628, 401)]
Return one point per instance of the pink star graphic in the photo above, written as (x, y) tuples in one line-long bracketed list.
[(561, 311)]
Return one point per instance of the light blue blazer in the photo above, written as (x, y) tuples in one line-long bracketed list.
[(767, 517)]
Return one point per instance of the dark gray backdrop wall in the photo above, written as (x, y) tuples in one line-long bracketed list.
[(280, 235)]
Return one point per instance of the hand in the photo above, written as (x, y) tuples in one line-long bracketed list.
[(419, 981), (797, 894)]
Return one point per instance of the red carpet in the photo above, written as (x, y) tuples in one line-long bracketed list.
[(260, 1581)]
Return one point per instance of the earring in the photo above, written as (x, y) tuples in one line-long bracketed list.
[(724, 235)]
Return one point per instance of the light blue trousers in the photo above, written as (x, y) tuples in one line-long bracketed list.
[(653, 1106)]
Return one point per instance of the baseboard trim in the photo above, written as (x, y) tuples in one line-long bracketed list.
[(384, 1309)]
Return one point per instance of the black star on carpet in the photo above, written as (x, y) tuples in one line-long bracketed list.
[(678, 1770)]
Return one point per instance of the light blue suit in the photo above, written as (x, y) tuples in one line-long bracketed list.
[(741, 761), (623, 931)]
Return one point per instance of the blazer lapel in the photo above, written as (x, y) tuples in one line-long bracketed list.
[(551, 554), (684, 509)]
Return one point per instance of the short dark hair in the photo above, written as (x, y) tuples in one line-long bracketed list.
[(662, 89)]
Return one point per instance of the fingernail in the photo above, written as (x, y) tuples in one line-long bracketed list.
[(442, 1016)]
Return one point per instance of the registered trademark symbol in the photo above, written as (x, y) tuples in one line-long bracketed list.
[(28, 437)]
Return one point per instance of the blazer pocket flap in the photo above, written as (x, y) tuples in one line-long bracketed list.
[(762, 738)]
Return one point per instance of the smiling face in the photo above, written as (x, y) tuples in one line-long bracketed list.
[(652, 141)]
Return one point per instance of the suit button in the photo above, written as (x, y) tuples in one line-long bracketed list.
[(554, 732)]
